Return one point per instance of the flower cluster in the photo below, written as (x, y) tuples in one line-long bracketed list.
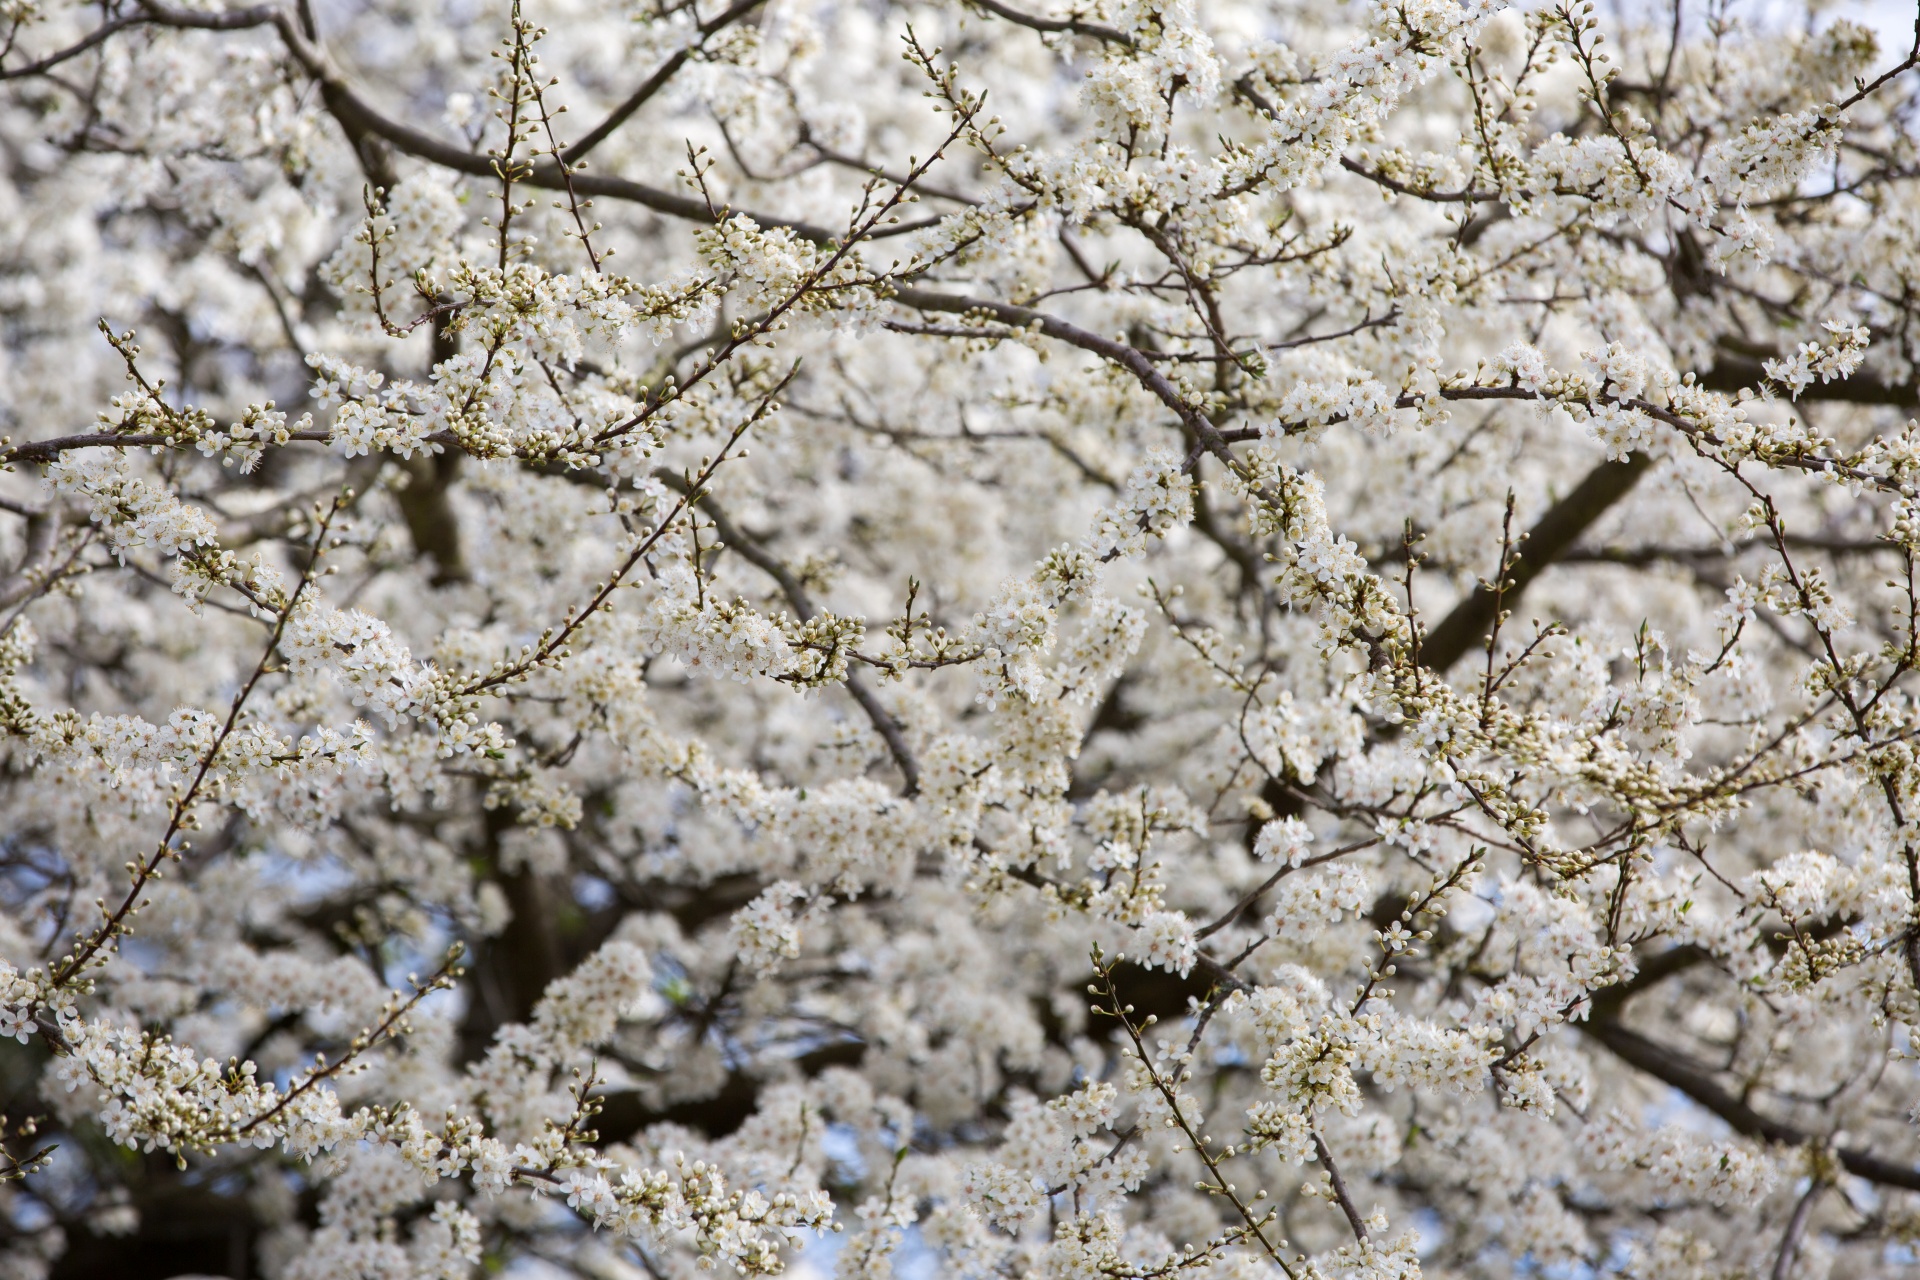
[(1297, 655)]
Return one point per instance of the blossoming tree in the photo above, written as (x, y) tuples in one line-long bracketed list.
[(1210, 638)]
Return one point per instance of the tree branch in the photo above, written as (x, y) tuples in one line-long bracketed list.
[(1340, 1192), (759, 557), (1547, 541), (1698, 1081), (1072, 26), (1127, 357), (652, 85)]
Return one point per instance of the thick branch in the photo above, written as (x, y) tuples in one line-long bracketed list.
[(1072, 26), (1700, 1083), (429, 514), (652, 85), (97, 36), (1127, 357), (1556, 531), (358, 118), (1641, 556), (796, 593), (48, 450), (1731, 373)]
